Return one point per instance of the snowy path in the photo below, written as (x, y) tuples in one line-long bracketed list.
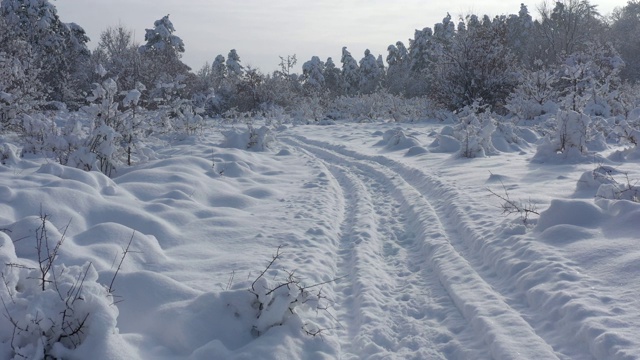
[(392, 306), (427, 251), (424, 265)]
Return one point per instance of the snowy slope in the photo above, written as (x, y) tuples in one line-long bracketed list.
[(410, 253)]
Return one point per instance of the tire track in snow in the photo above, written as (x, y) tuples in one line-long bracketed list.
[(506, 334), (393, 305), (560, 303)]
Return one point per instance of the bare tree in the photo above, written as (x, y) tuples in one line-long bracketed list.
[(566, 28)]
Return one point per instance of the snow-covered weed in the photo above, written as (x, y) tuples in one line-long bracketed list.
[(49, 309), (609, 183), (510, 206), (284, 298)]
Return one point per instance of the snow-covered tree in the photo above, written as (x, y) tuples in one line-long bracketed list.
[(370, 73), (520, 32), (350, 72), (234, 68), (625, 35), (569, 139), (398, 72), (118, 54), (20, 87), (421, 47), (332, 77), (589, 79), (218, 71), (473, 65), (566, 28), (161, 39), (59, 49), (162, 70), (536, 92), (312, 75)]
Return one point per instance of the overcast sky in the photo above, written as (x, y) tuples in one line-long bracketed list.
[(262, 30)]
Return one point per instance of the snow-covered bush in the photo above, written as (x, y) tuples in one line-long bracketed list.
[(9, 154), (379, 106), (308, 108), (50, 311), (278, 301), (534, 95), (590, 79), (102, 148), (187, 119), (570, 137), (250, 139), (474, 131), (396, 139), (609, 183), (51, 322), (628, 133)]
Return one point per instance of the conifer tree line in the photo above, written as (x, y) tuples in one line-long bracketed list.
[(566, 53)]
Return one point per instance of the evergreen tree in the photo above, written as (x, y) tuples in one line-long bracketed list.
[(59, 49), (421, 47), (397, 75), (520, 32), (625, 35), (474, 65), (350, 72), (332, 78), (312, 75), (370, 73), (162, 68), (234, 69), (20, 87), (218, 71)]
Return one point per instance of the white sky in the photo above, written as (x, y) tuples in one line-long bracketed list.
[(262, 30)]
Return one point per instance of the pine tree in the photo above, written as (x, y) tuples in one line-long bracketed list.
[(162, 69), (333, 78), (370, 73), (625, 34), (59, 49), (234, 69), (20, 87), (350, 72), (218, 71), (312, 75)]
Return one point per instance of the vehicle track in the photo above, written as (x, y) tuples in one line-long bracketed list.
[(428, 247)]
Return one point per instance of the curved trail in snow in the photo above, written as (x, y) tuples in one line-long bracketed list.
[(392, 305), (377, 194), (520, 297)]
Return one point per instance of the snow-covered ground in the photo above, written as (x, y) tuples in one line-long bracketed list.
[(388, 249)]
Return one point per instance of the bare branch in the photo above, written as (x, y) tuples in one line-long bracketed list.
[(124, 254), (273, 260)]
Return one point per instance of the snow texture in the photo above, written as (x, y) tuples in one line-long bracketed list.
[(386, 249)]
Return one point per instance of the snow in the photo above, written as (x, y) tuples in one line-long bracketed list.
[(388, 248)]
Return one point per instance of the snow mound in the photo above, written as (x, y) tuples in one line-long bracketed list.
[(415, 151), (445, 144), (571, 212), (251, 139), (396, 139), (9, 154)]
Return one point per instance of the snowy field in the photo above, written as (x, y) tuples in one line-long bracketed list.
[(377, 243)]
